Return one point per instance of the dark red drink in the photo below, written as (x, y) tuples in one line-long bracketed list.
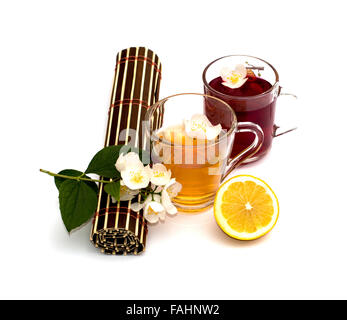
[(254, 102), (253, 86)]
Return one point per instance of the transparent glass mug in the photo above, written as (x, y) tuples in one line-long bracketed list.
[(199, 165), (259, 108)]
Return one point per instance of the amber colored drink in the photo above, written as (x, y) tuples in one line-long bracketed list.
[(197, 164)]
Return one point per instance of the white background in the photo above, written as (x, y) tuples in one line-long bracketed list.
[(57, 63)]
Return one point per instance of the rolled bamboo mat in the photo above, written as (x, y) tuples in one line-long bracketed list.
[(116, 228)]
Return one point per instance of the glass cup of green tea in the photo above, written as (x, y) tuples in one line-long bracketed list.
[(196, 150)]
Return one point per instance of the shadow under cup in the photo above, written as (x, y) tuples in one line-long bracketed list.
[(198, 164)]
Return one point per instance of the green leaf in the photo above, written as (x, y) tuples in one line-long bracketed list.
[(103, 163), (77, 203), (113, 189), (73, 173)]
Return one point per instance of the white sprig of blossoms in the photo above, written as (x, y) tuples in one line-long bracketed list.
[(154, 184)]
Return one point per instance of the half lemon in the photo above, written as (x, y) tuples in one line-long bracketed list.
[(245, 207)]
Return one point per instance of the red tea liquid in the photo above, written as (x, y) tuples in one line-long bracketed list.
[(259, 108)]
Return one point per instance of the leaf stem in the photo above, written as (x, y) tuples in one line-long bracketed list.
[(73, 178)]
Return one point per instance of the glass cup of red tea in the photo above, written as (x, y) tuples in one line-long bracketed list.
[(254, 101)]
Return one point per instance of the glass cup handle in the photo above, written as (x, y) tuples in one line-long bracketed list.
[(249, 151), (275, 133)]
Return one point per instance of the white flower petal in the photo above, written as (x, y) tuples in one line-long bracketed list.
[(201, 128), (125, 161), (241, 70), (160, 175), (157, 198), (137, 206), (148, 170), (173, 188), (132, 158), (120, 164), (153, 211), (213, 132), (135, 177), (196, 134), (201, 118), (162, 215), (234, 78), (126, 197), (225, 73), (156, 206), (168, 205), (159, 167), (151, 218), (235, 85), (171, 182), (196, 126), (126, 194), (171, 210)]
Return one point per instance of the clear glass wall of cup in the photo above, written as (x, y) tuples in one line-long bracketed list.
[(258, 108), (199, 165)]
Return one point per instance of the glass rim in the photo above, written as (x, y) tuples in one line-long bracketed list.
[(154, 107), (238, 97)]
